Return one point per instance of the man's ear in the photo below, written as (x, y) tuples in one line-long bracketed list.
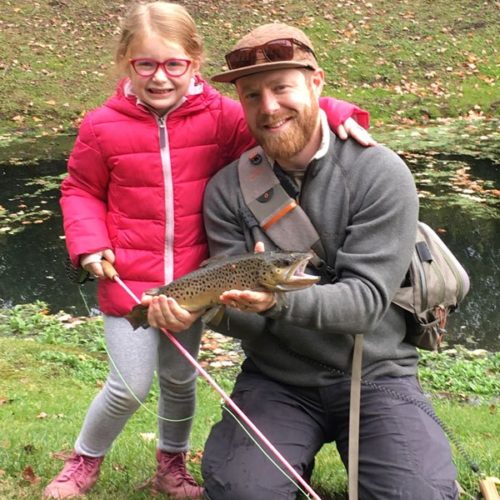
[(318, 81)]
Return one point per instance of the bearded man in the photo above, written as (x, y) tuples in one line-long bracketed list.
[(295, 381)]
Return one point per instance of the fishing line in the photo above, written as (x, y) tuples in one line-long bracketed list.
[(264, 452), (423, 405), (111, 274), (130, 390), (114, 277)]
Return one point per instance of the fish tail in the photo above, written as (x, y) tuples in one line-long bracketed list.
[(138, 316)]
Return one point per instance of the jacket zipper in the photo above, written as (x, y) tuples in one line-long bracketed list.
[(161, 125), (168, 268)]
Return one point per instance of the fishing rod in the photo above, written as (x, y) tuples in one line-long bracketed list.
[(111, 273)]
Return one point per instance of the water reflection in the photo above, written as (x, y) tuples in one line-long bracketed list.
[(31, 259), (32, 254)]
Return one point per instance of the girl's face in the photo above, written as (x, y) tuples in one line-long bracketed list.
[(160, 91)]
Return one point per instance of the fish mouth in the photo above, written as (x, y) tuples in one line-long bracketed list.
[(296, 277)]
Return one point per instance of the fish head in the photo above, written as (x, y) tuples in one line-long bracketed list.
[(285, 271)]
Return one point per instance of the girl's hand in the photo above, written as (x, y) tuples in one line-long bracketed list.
[(350, 128), (164, 312), (91, 262)]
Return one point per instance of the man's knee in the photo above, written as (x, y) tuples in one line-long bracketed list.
[(413, 487)]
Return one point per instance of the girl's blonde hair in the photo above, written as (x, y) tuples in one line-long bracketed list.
[(168, 20)]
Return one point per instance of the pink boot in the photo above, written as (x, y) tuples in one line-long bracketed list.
[(173, 479), (78, 475)]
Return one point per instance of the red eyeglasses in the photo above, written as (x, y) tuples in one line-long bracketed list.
[(148, 67), (281, 49)]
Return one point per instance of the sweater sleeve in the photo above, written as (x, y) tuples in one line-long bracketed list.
[(84, 196), (226, 237), (375, 254)]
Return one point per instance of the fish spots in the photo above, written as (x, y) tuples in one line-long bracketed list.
[(265, 270)]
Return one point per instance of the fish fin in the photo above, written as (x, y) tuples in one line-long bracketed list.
[(138, 316), (216, 259), (214, 313)]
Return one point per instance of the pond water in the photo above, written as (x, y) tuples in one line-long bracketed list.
[(459, 197)]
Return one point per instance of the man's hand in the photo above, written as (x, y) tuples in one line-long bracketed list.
[(350, 128), (249, 301), (165, 312)]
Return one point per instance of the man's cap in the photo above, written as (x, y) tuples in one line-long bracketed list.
[(264, 34)]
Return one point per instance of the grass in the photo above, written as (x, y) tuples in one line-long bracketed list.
[(406, 62), (53, 366)]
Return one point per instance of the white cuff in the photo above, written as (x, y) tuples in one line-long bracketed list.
[(91, 259)]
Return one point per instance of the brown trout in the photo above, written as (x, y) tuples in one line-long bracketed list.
[(201, 289)]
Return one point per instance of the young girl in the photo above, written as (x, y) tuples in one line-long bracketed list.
[(133, 196)]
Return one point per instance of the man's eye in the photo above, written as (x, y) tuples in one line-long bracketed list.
[(281, 88)]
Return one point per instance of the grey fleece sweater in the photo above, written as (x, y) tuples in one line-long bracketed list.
[(364, 205)]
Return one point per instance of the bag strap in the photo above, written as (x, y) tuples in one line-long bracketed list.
[(273, 208), (354, 416), (289, 227)]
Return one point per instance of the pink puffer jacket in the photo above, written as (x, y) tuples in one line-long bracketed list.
[(136, 184)]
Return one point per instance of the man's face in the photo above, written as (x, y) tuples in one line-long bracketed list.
[(281, 109)]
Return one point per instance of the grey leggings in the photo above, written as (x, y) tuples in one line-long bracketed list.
[(135, 356)]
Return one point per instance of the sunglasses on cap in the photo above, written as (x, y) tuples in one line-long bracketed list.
[(281, 49)]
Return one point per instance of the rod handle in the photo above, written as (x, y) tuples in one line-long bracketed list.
[(109, 270)]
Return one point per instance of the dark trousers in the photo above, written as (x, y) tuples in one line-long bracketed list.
[(403, 454)]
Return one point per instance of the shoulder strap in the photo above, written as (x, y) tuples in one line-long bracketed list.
[(354, 416), (279, 215), (289, 227)]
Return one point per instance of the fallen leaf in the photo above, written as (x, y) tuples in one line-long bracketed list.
[(30, 476)]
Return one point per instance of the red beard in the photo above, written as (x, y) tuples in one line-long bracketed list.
[(288, 143)]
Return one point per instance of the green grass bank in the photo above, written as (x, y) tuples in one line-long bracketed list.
[(406, 62), (53, 365)]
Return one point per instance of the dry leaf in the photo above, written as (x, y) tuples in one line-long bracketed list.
[(30, 476)]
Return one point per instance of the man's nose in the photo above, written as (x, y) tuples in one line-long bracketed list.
[(269, 103)]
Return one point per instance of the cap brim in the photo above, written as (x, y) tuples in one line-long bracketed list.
[(233, 75)]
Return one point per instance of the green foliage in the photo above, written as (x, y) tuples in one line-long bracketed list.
[(83, 367), (461, 373), (34, 321), (48, 377)]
